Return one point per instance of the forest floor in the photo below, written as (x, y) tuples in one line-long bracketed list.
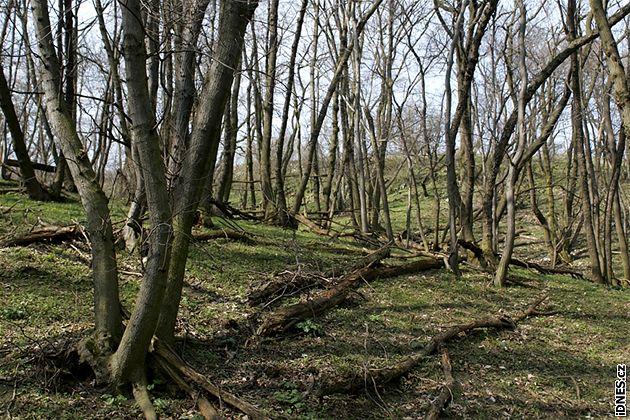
[(559, 365)]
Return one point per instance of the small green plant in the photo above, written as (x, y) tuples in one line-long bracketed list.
[(293, 398), (375, 317), (309, 327), (14, 314), (160, 404), (113, 399)]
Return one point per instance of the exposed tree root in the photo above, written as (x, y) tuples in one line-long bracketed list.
[(49, 234), (288, 283), (223, 234), (285, 318), (379, 377), (141, 395), (161, 350), (448, 389)]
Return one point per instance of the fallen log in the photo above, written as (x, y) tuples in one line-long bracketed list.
[(289, 283), (37, 166), (547, 270), (49, 234), (312, 226), (223, 234), (382, 376), (478, 252), (447, 390), (285, 318)]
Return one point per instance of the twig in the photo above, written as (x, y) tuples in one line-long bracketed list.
[(448, 388)]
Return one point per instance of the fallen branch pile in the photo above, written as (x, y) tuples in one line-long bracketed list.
[(382, 376), (287, 317), (289, 283)]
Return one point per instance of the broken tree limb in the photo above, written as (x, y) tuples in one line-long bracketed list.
[(382, 376), (206, 409), (371, 259), (168, 356), (223, 234), (447, 390), (49, 234), (478, 252), (547, 270), (312, 226), (289, 283), (285, 318)]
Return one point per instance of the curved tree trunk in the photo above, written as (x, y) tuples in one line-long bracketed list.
[(108, 322)]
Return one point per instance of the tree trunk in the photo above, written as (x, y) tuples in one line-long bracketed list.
[(234, 18), (33, 187), (108, 322)]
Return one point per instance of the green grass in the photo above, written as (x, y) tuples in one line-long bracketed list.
[(555, 366)]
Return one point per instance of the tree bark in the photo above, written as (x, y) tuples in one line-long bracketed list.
[(108, 323), (234, 18)]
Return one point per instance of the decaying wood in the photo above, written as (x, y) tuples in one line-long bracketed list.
[(39, 166), (223, 234), (286, 317), (289, 283), (50, 234), (167, 357), (447, 389), (312, 226), (547, 270), (382, 376), (525, 264)]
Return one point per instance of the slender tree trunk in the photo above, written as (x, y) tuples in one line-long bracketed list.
[(33, 187), (108, 322), (580, 149), (234, 18), (323, 108), (280, 194), (128, 363)]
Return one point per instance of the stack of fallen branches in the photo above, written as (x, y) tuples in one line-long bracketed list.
[(288, 283), (287, 317)]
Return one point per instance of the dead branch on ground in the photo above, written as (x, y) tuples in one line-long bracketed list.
[(520, 263), (286, 317), (48, 234), (382, 376), (448, 389), (223, 234), (289, 283), (161, 350)]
